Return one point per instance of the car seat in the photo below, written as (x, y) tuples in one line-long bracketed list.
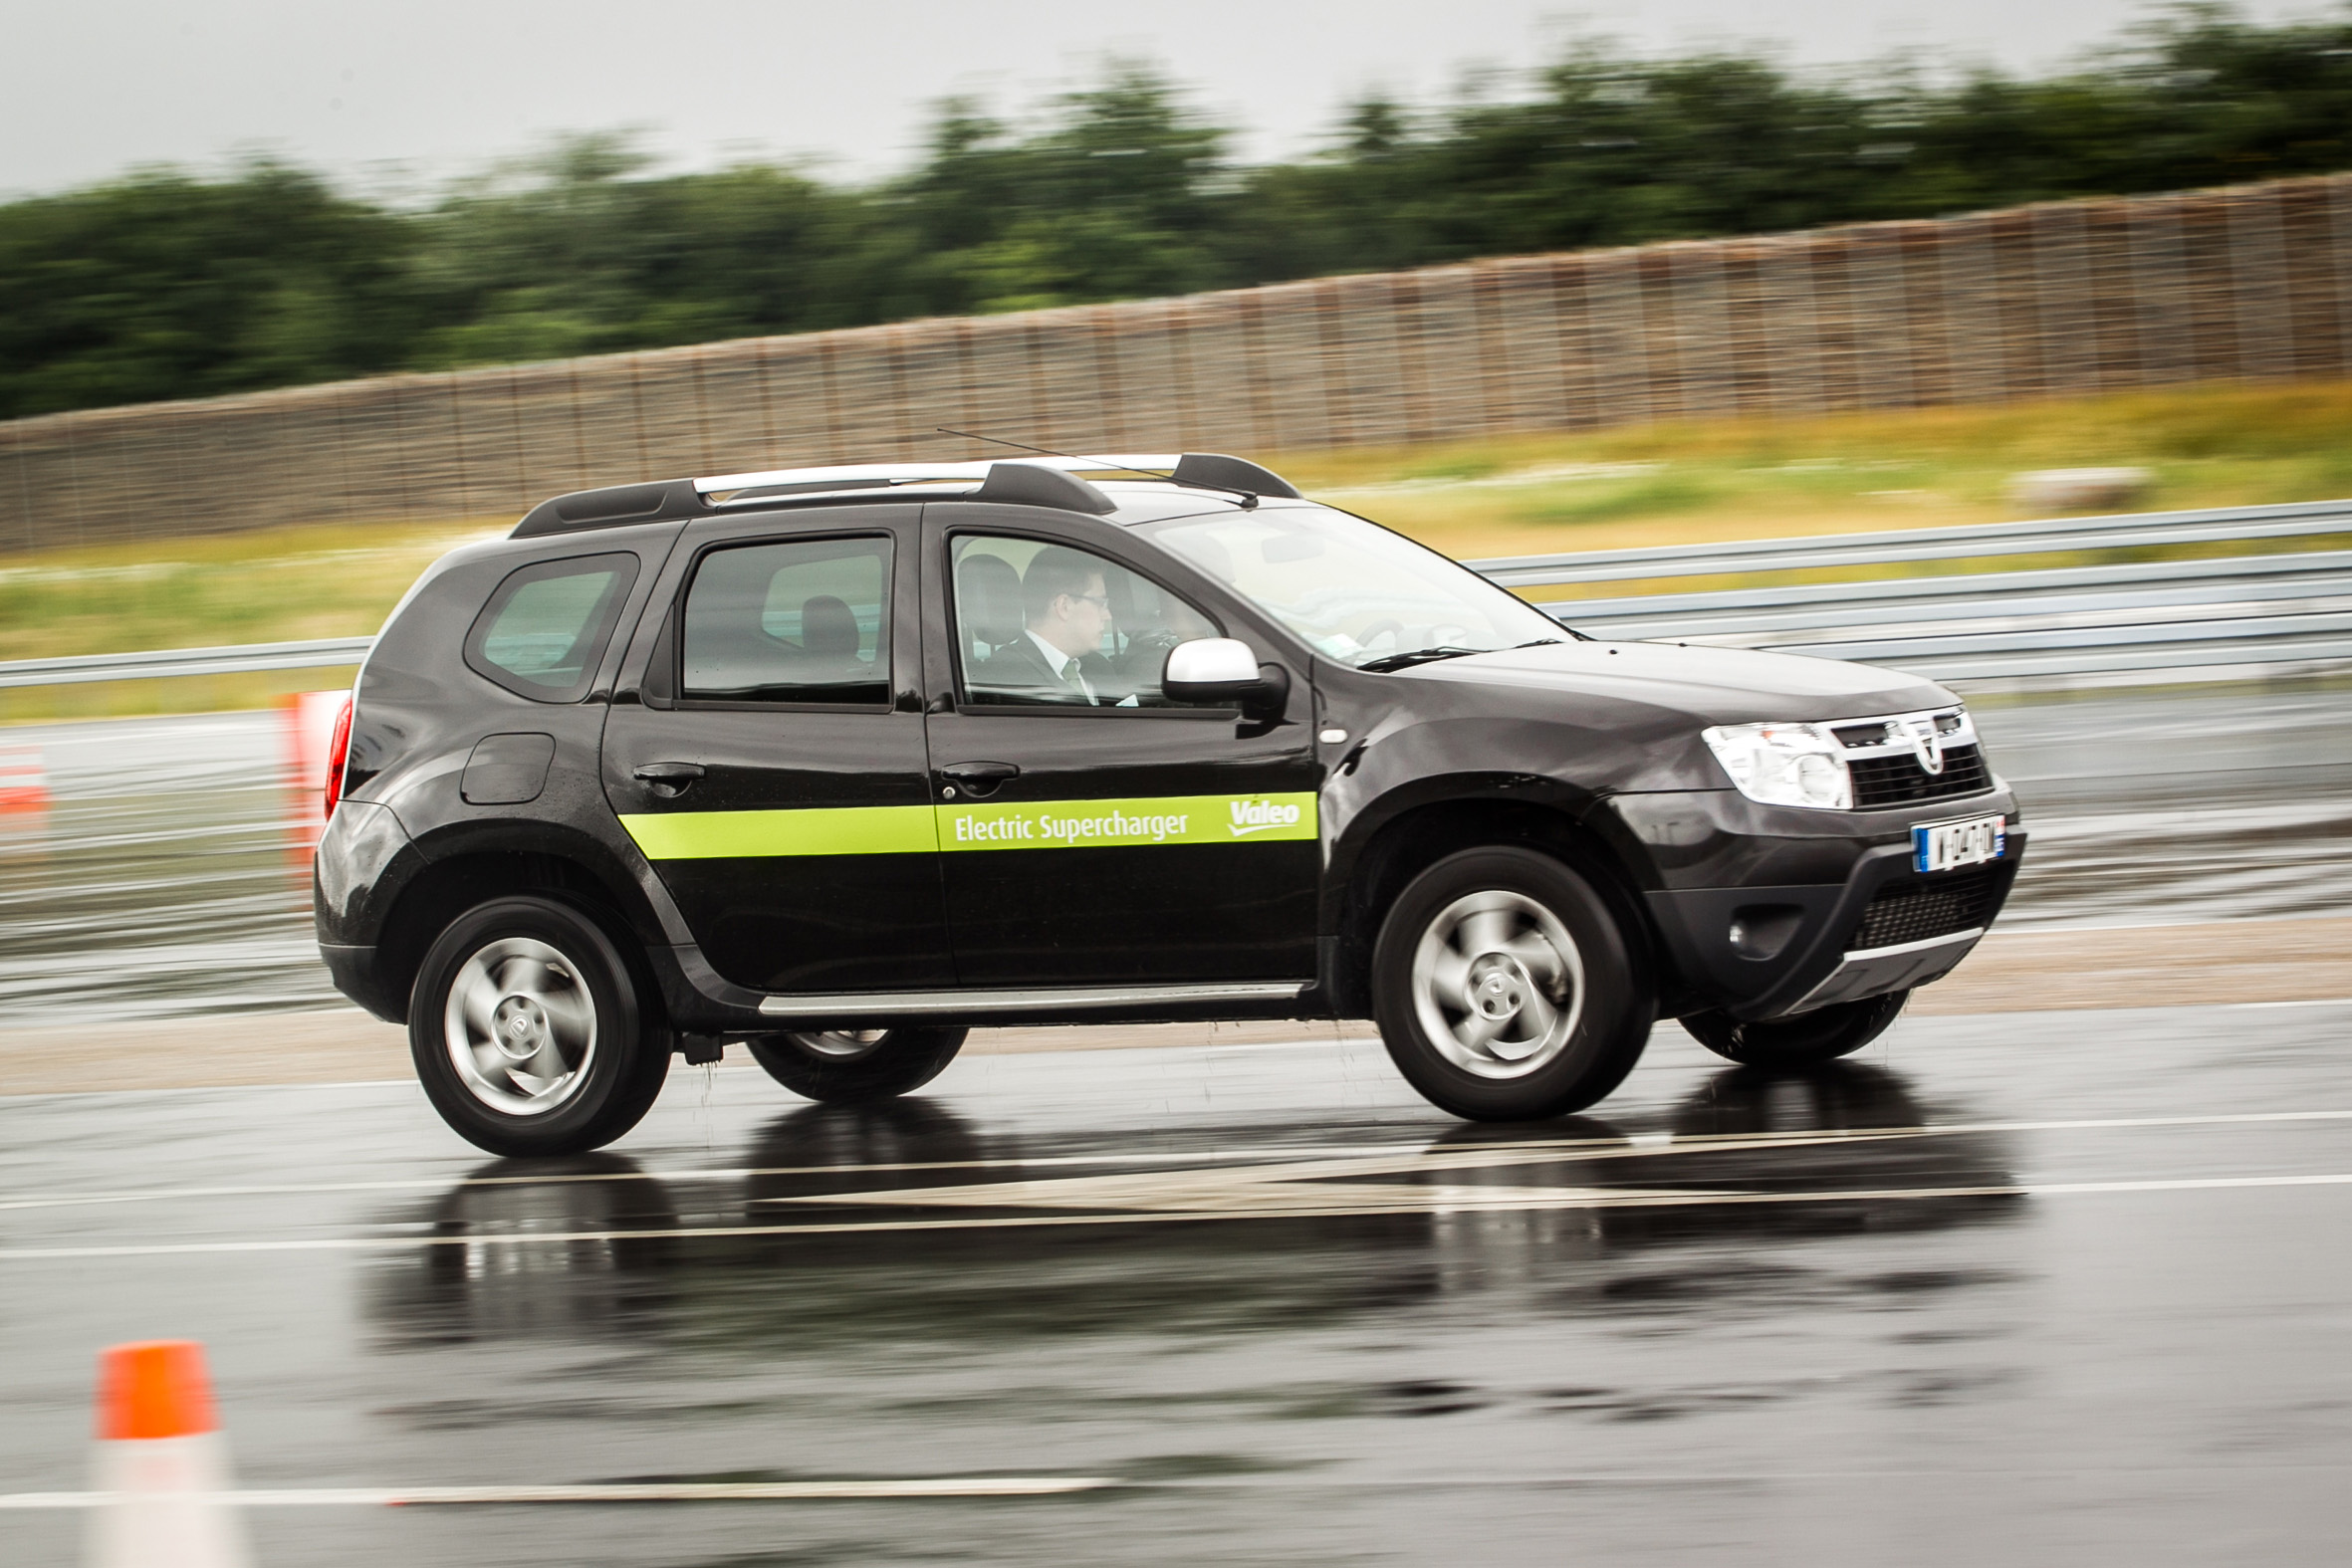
[(829, 634), (987, 605)]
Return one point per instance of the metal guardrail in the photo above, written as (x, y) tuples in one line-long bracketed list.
[(2227, 617), (1980, 541), (239, 659), (2240, 616)]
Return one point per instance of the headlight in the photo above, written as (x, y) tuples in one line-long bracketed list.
[(1783, 764)]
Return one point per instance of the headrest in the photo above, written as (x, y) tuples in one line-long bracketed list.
[(828, 628), (987, 599)]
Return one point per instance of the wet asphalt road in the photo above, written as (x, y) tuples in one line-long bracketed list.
[(2043, 1288), (2034, 1288)]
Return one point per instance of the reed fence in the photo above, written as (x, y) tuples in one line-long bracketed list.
[(2251, 281)]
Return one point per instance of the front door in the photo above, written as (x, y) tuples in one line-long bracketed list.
[(1091, 832), (773, 775)]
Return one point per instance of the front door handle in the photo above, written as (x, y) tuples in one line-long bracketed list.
[(980, 779), (669, 779)]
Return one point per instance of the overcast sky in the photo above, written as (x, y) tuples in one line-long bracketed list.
[(438, 88)]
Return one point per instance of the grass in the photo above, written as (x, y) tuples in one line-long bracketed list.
[(1696, 481), (269, 586), (1690, 481)]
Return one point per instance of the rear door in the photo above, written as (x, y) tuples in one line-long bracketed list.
[(1090, 831), (774, 771)]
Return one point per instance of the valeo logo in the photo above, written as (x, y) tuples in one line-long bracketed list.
[(1260, 815)]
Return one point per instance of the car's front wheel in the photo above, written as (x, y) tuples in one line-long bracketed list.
[(1505, 990), (532, 1033), (1806, 1040), (852, 1067)]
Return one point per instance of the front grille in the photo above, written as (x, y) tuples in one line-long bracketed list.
[(1879, 731), (1900, 780), (1916, 909)]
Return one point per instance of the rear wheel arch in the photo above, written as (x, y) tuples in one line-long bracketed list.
[(1416, 839), (446, 888)]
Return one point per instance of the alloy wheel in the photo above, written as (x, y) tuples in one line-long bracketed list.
[(1497, 983)]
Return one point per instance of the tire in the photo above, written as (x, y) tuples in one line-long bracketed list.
[(1505, 990), (1806, 1040), (857, 1066), (552, 981)]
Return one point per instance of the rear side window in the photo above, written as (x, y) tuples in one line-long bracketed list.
[(791, 621), (542, 631)]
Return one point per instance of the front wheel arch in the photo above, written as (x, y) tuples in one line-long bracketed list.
[(1418, 840)]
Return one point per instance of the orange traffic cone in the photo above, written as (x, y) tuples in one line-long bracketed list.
[(162, 1463), (24, 785)]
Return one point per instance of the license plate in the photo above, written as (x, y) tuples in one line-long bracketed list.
[(1947, 846)]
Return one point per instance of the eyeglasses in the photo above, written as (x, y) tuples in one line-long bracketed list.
[(1100, 602)]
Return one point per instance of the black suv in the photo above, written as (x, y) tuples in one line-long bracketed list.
[(838, 762)]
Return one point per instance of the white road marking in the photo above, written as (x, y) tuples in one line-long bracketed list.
[(681, 1492), (1343, 1202), (1630, 1146)]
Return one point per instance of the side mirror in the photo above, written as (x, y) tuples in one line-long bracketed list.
[(1223, 670)]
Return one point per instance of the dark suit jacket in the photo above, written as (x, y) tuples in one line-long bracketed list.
[(1018, 673)]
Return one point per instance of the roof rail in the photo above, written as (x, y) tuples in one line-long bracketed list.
[(1038, 481), (611, 507), (1192, 470), (1036, 485), (1216, 471)]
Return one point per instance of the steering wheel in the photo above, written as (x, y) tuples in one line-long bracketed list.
[(1387, 626)]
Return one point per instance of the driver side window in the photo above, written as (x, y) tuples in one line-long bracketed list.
[(1040, 624)]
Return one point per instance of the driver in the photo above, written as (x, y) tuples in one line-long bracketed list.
[(1066, 609)]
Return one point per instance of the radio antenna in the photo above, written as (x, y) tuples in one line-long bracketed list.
[(1249, 497)]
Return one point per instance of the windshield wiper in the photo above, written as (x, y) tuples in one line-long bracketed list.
[(1405, 661)]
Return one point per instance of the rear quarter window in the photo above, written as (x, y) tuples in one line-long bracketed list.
[(544, 629)]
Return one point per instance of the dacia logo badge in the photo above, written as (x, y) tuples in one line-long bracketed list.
[(1927, 744)]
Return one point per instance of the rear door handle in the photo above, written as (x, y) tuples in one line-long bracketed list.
[(669, 779)]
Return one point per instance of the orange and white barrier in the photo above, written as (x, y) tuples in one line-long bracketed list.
[(162, 1466), (310, 736), (310, 744), (24, 781)]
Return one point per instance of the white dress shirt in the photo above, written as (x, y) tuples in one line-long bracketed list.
[(1063, 665)]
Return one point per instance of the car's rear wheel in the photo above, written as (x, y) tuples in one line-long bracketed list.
[(1806, 1040), (1505, 990), (852, 1067), (530, 1030)]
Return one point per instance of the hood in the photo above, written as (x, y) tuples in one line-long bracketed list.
[(1713, 685)]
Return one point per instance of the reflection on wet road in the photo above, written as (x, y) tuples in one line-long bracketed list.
[(165, 879), (2046, 1287)]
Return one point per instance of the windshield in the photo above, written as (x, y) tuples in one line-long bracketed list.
[(1359, 593)]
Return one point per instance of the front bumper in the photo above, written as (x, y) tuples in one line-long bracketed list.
[(1873, 971), (1769, 947)]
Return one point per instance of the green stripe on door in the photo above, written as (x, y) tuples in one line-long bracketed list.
[(1140, 824), (733, 835)]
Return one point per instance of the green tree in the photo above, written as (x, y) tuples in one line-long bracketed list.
[(163, 286)]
